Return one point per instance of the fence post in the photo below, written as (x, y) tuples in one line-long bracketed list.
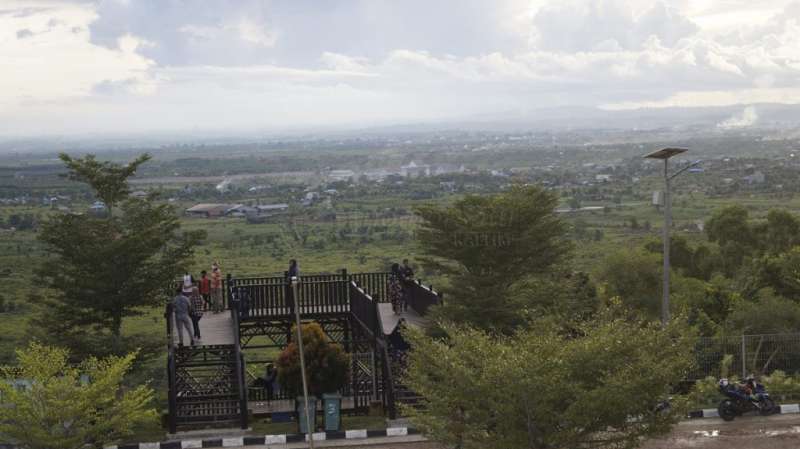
[(744, 357)]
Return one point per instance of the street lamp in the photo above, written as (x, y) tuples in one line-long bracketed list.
[(309, 430), (665, 154)]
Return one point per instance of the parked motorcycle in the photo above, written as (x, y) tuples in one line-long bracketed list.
[(743, 398)]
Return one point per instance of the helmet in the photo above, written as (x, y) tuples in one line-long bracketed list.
[(723, 382)]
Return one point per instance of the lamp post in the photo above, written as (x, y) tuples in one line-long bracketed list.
[(665, 154), (309, 430)]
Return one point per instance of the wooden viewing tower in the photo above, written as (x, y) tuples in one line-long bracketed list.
[(216, 382)]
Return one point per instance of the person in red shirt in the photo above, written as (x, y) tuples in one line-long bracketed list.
[(205, 288)]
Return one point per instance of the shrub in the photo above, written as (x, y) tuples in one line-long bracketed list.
[(327, 365)]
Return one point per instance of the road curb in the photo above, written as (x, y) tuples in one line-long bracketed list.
[(783, 409), (242, 441)]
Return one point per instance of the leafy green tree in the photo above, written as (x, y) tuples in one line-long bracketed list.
[(769, 313), (486, 245), (60, 409), (705, 304), (729, 227), (779, 272), (105, 269), (327, 365), (634, 276), (543, 389), (109, 180), (780, 232)]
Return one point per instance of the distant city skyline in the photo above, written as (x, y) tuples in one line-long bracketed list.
[(133, 66)]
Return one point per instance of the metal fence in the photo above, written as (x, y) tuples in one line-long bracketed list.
[(747, 354)]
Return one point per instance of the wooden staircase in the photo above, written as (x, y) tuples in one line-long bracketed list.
[(204, 387)]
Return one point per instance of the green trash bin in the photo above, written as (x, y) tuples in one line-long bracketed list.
[(332, 406), (301, 413)]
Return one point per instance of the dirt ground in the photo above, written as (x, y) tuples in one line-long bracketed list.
[(747, 432)]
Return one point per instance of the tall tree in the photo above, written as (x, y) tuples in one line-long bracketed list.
[(542, 389), (109, 180), (68, 406), (105, 269), (487, 245)]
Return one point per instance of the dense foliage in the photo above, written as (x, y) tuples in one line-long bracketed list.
[(543, 389), (327, 365), (742, 280), (68, 406), (489, 248), (104, 269)]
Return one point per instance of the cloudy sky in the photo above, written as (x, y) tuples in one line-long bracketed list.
[(131, 66)]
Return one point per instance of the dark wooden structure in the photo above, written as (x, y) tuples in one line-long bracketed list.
[(216, 382)]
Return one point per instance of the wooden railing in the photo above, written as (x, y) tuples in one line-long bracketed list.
[(419, 297), (364, 309), (373, 283)]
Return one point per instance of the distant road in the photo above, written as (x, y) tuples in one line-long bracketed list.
[(217, 179)]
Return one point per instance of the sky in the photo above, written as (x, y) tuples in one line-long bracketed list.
[(138, 66)]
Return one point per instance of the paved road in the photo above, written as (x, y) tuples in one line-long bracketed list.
[(748, 432)]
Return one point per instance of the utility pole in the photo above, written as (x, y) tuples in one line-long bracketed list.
[(310, 431), (665, 154)]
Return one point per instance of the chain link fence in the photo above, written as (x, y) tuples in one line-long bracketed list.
[(748, 354)]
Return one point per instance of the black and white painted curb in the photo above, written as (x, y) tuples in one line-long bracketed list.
[(269, 439), (783, 409)]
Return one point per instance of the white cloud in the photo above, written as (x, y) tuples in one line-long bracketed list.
[(252, 63), (245, 29), (56, 61)]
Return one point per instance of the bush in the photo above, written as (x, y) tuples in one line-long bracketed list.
[(327, 365)]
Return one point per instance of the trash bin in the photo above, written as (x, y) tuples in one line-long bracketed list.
[(332, 406), (301, 413)]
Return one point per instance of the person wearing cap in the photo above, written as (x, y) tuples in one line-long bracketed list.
[(183, 307), (216, 288)]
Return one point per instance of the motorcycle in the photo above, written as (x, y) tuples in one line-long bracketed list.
[(743, 398)]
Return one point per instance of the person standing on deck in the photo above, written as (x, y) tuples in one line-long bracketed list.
[(182, 307), (294, 269), (216, 288), (197, 311), (205, 288), (394, 289), (406, 277)]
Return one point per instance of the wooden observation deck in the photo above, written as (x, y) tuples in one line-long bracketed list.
[(217, 381)]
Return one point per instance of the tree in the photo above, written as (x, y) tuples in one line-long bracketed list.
[(109, 180), (635, 277), (767, 314), (66, 406), (327, 365), (103, 270), (780, 232), (486, 245), (729, 227), (543, 389)]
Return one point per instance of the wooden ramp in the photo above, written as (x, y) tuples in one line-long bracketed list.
[(389, 319), (215, 329)]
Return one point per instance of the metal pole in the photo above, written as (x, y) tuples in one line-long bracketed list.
[(667, 225), (744, 357), (310, 431)]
